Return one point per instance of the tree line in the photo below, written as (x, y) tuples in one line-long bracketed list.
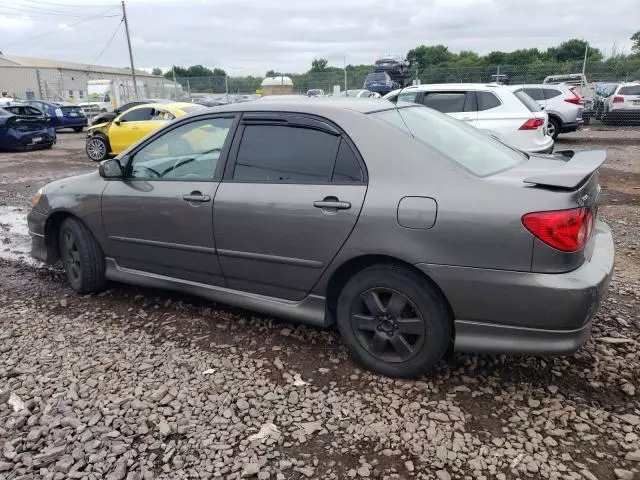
[(434, 63)]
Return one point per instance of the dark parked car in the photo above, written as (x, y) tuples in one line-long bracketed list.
[(397, 69), (389, 222), (380, 83), (23, 127), (62, 114), (107, 117)]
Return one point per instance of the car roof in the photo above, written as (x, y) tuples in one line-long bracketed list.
[(450, 86), (310, 105), (629, 84), (172, 106)]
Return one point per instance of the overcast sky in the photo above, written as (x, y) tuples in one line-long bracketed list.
[(253, 36)]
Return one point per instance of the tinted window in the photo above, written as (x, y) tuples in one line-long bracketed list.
[(528, 102), (535, 93), (378, 77), (137, 115), (631, 90), (189, 152), (467, 146), (446, 102), (347, 169), (551, 93), (487, 101), (273, 153)]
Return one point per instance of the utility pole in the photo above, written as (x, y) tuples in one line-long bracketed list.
[(345, 76), (584, 64), (175, 84), (133, 69)]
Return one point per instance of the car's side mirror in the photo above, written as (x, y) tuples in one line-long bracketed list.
[(110, 168), (117, 122)]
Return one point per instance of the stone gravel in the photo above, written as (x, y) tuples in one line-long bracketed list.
[(140, 384)]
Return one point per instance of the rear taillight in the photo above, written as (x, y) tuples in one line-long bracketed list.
[(576, 100), (566, 230), (532, 124), (618, 99)]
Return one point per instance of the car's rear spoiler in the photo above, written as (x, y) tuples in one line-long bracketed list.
[(577, 167)]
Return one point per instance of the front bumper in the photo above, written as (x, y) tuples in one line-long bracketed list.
[(498, 311)]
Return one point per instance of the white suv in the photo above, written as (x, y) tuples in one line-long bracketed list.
[(513, 117), (623, 103)]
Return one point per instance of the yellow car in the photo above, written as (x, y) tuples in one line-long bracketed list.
[(111, 138)]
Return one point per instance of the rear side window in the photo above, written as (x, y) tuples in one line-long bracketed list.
[(487, 101), (630, 90), (446, 102), (347, 168), (551, 93), (138, 115), (278, 153), (535, 93), (528, 102)]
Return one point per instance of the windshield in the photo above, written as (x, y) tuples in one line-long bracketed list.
[(466, 146), (377, 77), (630, 90), (529, 102)]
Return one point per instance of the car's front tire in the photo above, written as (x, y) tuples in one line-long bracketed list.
[(97, 148), (393, 321), (82, 257)]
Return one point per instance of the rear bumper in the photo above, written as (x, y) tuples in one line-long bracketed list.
[(571, 126), (71, 123), (544, 146), (521, 312)]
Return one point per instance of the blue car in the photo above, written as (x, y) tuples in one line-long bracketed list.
[(62, 114), (380, 82), (23, 127)]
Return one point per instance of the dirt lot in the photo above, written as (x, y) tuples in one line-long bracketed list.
[(137, 383)]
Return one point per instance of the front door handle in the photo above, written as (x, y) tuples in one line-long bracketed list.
[(196, 197), (332, 203)]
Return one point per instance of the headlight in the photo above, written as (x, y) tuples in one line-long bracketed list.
[(35, 200)]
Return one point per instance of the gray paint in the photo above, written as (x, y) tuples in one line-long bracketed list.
[(273, 248)]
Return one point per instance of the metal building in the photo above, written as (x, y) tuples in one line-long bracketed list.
[(25, 78)]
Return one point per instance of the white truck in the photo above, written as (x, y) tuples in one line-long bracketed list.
[(107, 95)]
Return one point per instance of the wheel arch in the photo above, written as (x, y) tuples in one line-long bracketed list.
[(52, 232), (349, 268)]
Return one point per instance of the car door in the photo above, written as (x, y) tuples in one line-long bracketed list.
[(458, 104), (128, 128), (159, 217), (291, 195)]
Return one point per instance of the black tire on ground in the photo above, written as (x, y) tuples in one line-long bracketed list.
[(82, 257), (78, 129), (97, 148), (554, 127), (410, 329)]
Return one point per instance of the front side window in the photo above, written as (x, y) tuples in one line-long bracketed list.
[(188, 152), (279, 153), (445, 102), (467, 146), (137, 115)]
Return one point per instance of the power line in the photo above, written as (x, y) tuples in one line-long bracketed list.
[(102, 14), (113, 36)]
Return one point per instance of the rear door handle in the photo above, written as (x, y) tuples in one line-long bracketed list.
[(332, 203), (196, 197)]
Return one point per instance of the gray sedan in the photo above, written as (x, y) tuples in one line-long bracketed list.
[(410, 231)]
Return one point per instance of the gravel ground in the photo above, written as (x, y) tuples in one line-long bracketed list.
[(138, 383)]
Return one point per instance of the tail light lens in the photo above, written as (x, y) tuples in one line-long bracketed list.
[(565, 230), (618, 99), (532, 124), (576, 100)]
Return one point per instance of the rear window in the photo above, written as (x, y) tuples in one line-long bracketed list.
[(377, 77), (528, 102), (630, 90), (464, 145)]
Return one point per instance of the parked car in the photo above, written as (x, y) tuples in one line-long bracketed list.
[(560, 102), (111, 138), (315, 92), (62, 114), (513, 117), (396, 67), (359, 93), (623, 104), (106, 117), (380, 82), (603, 91), (408, 229), (23, 127)]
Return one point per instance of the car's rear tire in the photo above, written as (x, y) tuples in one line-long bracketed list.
[(553, 129), (97, 148), (393, 321), (82, 257), (78, 129)]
